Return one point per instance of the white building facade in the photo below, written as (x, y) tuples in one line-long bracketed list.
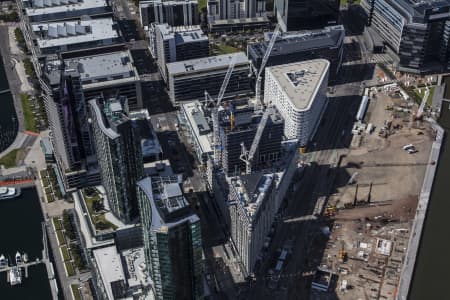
[(298, 92)]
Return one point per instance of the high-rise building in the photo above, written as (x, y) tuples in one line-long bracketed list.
[(253, 203), (119, 154), (306, 14), (238, 124), (418, 32), (67, 116), (327, 43), (180, 43), (172, 239), (299, 92), (189, 79), (73, 36), (172, 12), (68, 85)]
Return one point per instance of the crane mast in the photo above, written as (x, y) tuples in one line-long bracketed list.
[(215, 111), (275, 34), (423, 103), (248, 156)]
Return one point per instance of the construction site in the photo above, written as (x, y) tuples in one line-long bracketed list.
[(369, 213)]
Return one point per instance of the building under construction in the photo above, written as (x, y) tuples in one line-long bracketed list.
[(238, 123)]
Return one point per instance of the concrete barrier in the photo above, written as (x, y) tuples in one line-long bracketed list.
[(419, 220)]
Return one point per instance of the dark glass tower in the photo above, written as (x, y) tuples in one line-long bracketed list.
[(306, 14), (172, 239)]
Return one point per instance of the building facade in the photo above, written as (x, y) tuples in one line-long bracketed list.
[(36, 11), (298, 91), (189, 79), (73, 36), (68, 84), (119, 154), (172, 239), (238, 126), (180, 43), (306, 14), (252, 205), (417, 32), (192, 117), (174, 13), (235, 9), (326, 43)]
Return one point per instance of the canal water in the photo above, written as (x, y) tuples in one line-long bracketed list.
[(8, 118), (432, 272), (20, 225)]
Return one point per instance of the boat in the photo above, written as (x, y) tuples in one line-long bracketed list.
[(3, 261), (25, 257), (18, 258), (9, 192), (15, 276)]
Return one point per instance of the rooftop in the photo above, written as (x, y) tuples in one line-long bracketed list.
[(110, 268), (59, 34), (48, 7), (199, 125), (182, 34), (169, 206), (290, 42), (126, 266), (149, 141), (252, 190), (300, 81), (147, 3), (239, 21), (103, 67), (206, 63)]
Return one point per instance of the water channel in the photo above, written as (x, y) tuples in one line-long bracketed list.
[(431, 274), (20, 223)]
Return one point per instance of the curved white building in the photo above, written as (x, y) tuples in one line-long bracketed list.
[(299, 92)]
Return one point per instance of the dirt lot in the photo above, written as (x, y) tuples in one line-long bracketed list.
[(379, 204)]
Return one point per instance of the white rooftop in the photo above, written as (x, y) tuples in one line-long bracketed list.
[(56, 34), (110, 267), (195, 117), (44, 7), (115, 65), (300, 81), (135, 263), (206, 63), (182, 34)]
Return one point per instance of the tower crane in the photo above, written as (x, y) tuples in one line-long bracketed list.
[(275, 34), (422, 105), (248, 156), (215, 110)]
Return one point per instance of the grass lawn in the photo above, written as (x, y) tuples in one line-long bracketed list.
[(43, 173), (99, 221), (60, 236), (9, 160), (225, 49), (56, 223), (45, 182), (69, 268), (30, 122), (75, 292), (65, 253)]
